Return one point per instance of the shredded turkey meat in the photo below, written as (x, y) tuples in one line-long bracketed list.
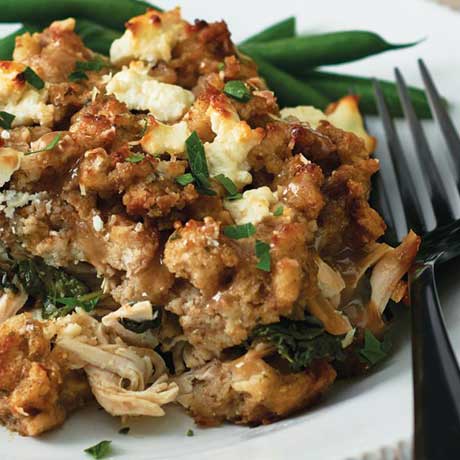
[(164, 240)]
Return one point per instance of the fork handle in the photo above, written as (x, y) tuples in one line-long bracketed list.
[(435, 371)]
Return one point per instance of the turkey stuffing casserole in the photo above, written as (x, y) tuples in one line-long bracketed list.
[(169, 235)]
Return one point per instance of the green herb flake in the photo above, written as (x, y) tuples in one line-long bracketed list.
[(238, 90), (100, 450), (33, 79), (237, 232), (374, 350), (221, 66), (124, 430), (236, 196), (263, 254), (229, 186), (78, 75), (198, 164), (278, 211), (135, 158), (87, 301), (190, 433), (185, 179), (6, 119), (50, 146)]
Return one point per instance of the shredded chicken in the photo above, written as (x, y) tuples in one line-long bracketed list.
[(126, 380), (137, 312), (10, 303)]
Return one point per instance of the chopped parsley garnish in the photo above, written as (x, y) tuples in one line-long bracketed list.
[(238, 90), (135, 158), (237, 232), (278, 211), (229, 186), (190, 432), (33, 79), (300, 342), (374, 350), (198, 164), (185, 179), (221, 66), (236, 196), (124, 430), (82, 66), (263, 254), (6, 119), (87, 302), (100, 450), (50, 146), (78, 75)]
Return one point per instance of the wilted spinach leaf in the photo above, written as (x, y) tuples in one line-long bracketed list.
[(300, 342)]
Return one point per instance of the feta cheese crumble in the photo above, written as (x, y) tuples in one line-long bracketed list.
[(149, 37), (161, 138), (22, 100), (139, 91), (228, 152), (253, 207)]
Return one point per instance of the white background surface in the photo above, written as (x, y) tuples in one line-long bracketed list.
[(357, 416)]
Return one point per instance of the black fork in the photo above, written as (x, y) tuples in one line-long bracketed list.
[(419, 189)]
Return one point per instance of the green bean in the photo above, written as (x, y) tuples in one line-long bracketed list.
[(311, 51), (113, 13), (7, 43), (96, 37), (335, 86), (283, 29), (288, 89)]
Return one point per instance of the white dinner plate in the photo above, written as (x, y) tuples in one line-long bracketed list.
[(358, 415)]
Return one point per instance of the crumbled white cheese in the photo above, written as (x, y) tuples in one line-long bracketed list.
[(228, 152), (10, 200), (10, 162), (140, 91), (345, 115), (149, 37), (161, 138), (5, 134), (98, 223), (21, 99), (252, 207)]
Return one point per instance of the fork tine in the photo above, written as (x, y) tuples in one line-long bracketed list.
[(439, 177), (410, 176), (442, 116)]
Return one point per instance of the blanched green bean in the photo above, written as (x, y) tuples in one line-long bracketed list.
[(110, 13), (288, 89), (283, 29), (334, 86), (311, 51), (96, 37)]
